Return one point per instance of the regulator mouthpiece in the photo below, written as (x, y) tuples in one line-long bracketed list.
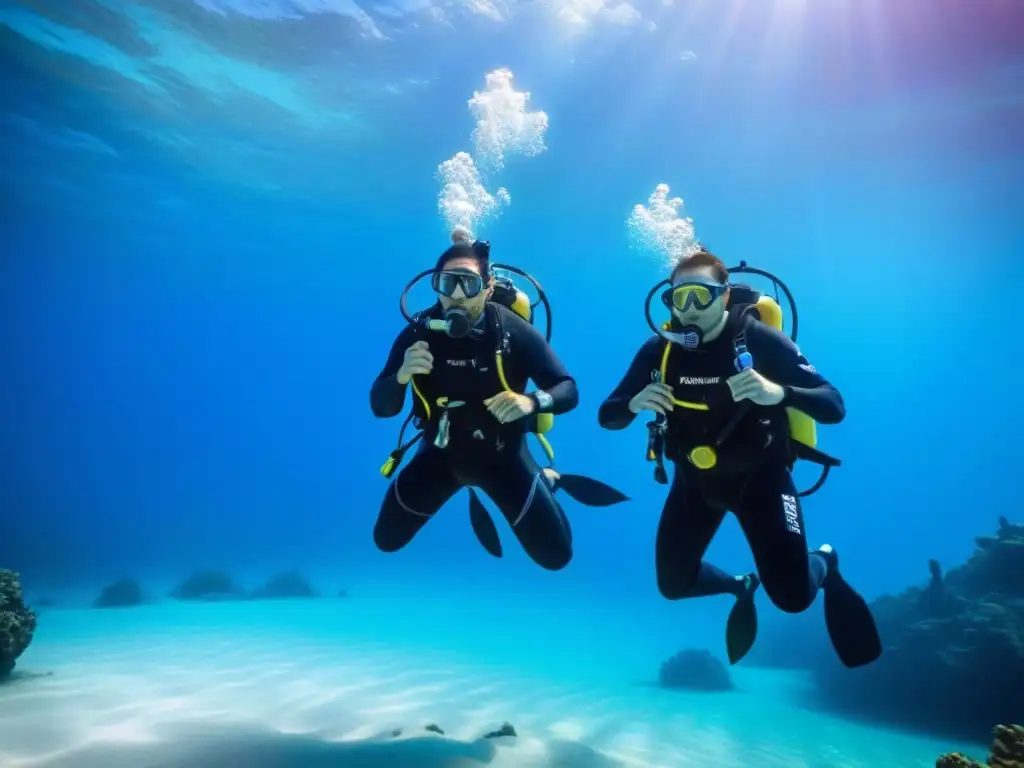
[(456, 323), (689, 337)]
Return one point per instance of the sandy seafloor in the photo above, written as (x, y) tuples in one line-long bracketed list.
[(326, 682)]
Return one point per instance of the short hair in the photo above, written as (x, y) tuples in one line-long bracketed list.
[(478, 250), (698, 260)]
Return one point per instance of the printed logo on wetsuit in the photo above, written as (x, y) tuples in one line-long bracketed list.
[(789, 511), (694, 381), (462, 363)]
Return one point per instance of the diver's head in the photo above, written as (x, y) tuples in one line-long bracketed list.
[(463, 276), (699, 291)]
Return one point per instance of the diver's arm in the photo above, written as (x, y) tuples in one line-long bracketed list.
[(779, 360), (387, 395), (543, 366), (614, 412)]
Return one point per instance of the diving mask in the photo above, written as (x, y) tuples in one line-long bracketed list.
[(694, 293), (447, 282)]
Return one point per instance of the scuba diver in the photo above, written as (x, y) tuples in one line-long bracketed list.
[(468, 360), (736, 404)]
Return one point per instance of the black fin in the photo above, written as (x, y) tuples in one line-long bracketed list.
[(592, 493), (851, 627), (741, 628), (483, 525)]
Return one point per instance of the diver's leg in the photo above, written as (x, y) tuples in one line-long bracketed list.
[(416, 493), (517, 485), (772, 520), (688, 523), (770, 514)]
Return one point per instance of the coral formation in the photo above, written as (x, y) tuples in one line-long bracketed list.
[(208, 585), (507, 729), (1007, 747), (954, 657), (17, 622), (123, 593), (956, 760), (285, 585), (1007, 751), (695, 670)]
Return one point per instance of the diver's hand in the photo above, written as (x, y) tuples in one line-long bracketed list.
[(418, 360), (751, 385), (654, 397), (509, 406)]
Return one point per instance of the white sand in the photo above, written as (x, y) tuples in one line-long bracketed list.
[(274, 684)]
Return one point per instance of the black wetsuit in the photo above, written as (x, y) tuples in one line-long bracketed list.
[(752, 477), (481, 451)]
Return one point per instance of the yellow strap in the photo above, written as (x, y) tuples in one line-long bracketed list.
[(664, 377), (548, 450), (500, 365), (389, 466), (423, 400)]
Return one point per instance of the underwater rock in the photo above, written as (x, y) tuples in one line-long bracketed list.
[(123, 593), (208, 585), (1008, 530), (956, 760), (285, 585), (507, 729), (45, 602), (1007, 751), (17, 622), (1007, 747), (954, 653), (694, 670)]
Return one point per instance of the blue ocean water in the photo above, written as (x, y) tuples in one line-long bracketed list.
[(210, 208)]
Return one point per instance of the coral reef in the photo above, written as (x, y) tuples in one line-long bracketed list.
[(285, 585), (123, 593), (17, 622), (208, 585), (1007, 751), (954, 657), (695, 670), (507, 729)]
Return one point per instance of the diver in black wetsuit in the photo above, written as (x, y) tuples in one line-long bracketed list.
[(469, 396), (725, 386)]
